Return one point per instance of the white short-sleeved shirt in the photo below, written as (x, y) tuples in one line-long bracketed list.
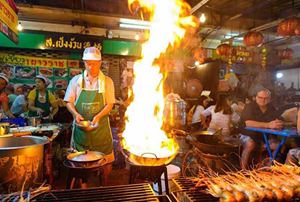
[(17, 107), (74, 89), (197, 113), (218, 120)]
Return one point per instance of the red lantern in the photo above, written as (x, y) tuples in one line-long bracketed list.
[(297, 30), (253, 38), (200, 54), (286, 54), (288, 26), (224, 49)]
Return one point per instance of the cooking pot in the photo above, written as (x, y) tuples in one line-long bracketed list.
[(21, 162), (34, 121), (86, 159), (175, 112)]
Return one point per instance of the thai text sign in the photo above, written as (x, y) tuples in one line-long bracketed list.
[(37, 61), (72, 42), (8, 21)]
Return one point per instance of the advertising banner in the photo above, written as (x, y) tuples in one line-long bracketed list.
[(8, 21)]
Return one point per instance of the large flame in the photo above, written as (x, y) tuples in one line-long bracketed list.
[(143, 135)]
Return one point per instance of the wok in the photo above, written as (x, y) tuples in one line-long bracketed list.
[(86, 159), (206, 136), (148, 159)]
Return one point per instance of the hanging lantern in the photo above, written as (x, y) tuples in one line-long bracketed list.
[(200, 54), (285, 54), (297, 30), (224, 49), (253, 38), (288, 26), (264, 58)]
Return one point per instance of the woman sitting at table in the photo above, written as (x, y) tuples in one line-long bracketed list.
[(221, 114), (41, 102)]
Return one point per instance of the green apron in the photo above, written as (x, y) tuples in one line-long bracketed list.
[(88, 104), (44, 106)]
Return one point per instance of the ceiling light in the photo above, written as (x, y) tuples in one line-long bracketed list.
[(279, 75), (197, 63), (202, 18), (134, 22), (19, 27), (137, 37), (131, 26), (239, 38), (109, 34)]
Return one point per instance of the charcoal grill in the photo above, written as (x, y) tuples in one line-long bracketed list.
[(190, 193), (132, 192)]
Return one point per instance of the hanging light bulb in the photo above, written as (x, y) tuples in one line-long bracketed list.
[(137, 36), (202, 18), (20, 27)]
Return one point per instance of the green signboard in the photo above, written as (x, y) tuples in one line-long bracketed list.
[(26, 40), (38, 41), (126, 48)]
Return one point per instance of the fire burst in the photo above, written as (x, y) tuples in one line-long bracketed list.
[(143, 135)]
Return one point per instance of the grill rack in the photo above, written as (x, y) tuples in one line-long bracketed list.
[(128, 193), (134, 192), (189, 192)]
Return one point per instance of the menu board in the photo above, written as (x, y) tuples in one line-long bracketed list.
[(58, 77), (23, 69)]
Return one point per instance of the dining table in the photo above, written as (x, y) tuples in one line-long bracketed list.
[(283, 133)]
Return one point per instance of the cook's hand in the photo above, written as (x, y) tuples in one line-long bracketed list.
[(276, 124), (39, 111), (95, 120), (78, 118), (50, 117)]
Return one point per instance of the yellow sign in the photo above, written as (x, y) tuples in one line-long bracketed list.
[(36, 61), (8, 16), (74, 43)]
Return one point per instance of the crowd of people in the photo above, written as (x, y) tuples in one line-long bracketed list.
[(90, 96), (23, 101), (231, 114)]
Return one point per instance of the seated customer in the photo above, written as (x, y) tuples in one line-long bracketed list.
[(293, 157), (194, 115), (258, 114), (221, 114)]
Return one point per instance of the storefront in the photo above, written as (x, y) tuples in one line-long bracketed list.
[(58, 56)]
